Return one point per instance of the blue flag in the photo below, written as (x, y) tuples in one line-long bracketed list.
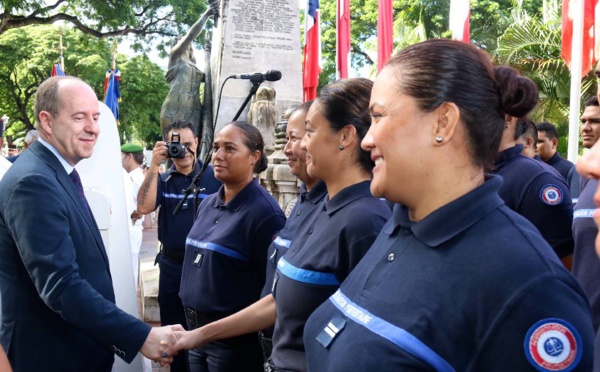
[(112, 96)]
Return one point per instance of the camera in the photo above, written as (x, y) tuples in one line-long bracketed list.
[(174, 148)]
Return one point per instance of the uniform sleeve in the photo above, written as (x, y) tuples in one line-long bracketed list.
[(574, 180), (548, 326), (43, 239), (547, 204), (159, 191), (265, 234)]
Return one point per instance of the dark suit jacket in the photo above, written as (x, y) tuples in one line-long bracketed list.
[(58, 303)]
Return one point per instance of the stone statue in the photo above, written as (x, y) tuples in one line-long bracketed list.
[(184, 78), (263, 114)]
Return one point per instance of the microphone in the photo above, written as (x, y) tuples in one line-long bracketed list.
[(271, 75)]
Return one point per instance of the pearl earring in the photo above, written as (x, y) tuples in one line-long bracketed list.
[(341, 148), (439, 139)]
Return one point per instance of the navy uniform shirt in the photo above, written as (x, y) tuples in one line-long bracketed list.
[(172, 230), (319, 259), (306, 207), (471, 287), (226, 250), (537, 192), (568, 171), (586, 264)]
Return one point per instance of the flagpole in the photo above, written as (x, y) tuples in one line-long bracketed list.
[(577, 8)]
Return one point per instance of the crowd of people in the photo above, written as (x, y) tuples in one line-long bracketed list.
[(437, 228)]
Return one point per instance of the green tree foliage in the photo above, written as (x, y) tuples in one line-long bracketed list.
[(532, 44), (147, 19), (28, 55)]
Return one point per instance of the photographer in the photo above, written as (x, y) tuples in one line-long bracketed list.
[(166, 190)]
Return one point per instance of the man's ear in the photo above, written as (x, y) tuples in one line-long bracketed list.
[(45, 119), (554, 143)]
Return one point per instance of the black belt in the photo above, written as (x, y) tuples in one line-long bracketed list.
[(266, 343), (195, 319), (172, 255)]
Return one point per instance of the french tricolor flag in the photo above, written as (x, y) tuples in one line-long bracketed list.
[(312, 51), (591, 39), (460, 12)]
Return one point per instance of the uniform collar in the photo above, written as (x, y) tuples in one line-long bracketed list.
[(316, 194), (196, 170), (239, 200), (453, 218), (554, 158), (507, 155), (347, 196)]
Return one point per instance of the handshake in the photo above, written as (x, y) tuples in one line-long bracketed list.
[(164, 342)]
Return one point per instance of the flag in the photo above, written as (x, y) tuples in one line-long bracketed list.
[(460, 12), (56, 70), (312, 51), (112, 96), (590, 39), (385, 32), (343, 38)]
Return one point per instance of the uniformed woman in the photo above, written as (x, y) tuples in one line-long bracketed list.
[(224, 264), (329, 243), (456, 281)]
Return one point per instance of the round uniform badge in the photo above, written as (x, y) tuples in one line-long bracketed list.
[(553, 345), (551, 195)]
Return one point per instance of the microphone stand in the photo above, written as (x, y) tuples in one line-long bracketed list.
[(256, 81), (194, 186)]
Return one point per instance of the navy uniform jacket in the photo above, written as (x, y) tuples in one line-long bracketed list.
[(569, 173), (586, 264), (306, 207), (319, 259), (172, 230), (58, 303), (226, 251), (537, 192), (471, 287)]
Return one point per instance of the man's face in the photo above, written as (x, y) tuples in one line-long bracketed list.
[(13, 152), (74, 130), (590, 126), (190, 142), (546, 148)]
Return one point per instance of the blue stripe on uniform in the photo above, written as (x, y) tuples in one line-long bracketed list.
[(215, 247), (282, 242), (584, 213), (306, 276), (180, 196), (390, 332)]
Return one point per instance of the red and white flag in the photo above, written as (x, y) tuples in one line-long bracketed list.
[(385, 32), (591, 35), (460, 12), (312, 51), (343, 38)]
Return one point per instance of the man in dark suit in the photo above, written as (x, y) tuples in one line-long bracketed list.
[(58, 303)]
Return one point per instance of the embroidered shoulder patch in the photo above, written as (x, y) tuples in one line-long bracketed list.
[(551, 195), (553, 345)]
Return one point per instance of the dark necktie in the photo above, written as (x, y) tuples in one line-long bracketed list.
[(79, 186)]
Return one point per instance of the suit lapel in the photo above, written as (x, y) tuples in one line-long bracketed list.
[(63, 178)]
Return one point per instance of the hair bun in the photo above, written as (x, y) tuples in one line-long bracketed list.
[(518, 94)]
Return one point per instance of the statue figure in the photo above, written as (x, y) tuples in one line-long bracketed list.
[(263, 114), (184, 77)]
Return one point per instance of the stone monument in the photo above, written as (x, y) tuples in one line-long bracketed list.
[(256, 36), (263, 114)]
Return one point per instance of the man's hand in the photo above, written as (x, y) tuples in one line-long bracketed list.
[(213, 8), (135, 215), (185, 340), (157, 342), (159, 154)]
